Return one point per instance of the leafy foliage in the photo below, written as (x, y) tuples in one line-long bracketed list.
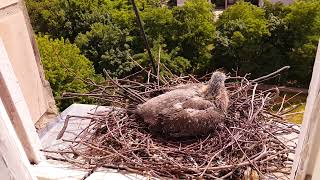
[(246, 38), (304, 28), (168, 61), (106, 31), (256, 40), (242, 30), (65, 68), (294, 38), (107, 47), (194, 32)]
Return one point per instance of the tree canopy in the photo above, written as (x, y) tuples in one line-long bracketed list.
[(65, 68), (242, 30), (259, 40), (186, 39)]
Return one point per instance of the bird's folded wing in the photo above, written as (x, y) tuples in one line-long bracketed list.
[(197, 103), (189, 121)]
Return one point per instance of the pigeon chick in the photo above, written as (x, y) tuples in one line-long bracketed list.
[(189, 110)]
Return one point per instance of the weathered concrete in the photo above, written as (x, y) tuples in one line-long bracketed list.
[(5, 3), (14, 164), (59, 170), (308, 149), (16, 107), (17, 37)]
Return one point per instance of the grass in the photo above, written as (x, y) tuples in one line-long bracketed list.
[(297, 115), (298, 103)]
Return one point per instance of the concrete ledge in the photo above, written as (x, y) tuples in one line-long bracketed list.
[(56, 170), (49, 134), (59, 170), (6, 3)]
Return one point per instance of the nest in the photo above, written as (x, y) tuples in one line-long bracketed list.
[(251, 142)]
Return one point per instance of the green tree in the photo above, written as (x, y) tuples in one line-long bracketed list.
[(107, 47), (65, 68), (295, 31), (186, 32), (39, 12), (170, 63), (66, 18), (255, 40), (242, 30), (304, 28), (106, 30), (158, 23), (193, 32), (245, 37)]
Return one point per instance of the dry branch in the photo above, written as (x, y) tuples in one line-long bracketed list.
[(249, 136)]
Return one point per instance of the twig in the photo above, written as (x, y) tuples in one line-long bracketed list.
[(65, 125), (271, 74), (90, 172), (117, 139), (252, 163)]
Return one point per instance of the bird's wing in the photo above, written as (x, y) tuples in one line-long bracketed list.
[(188, 122), (151, 108), (190, 118), (197, 103)]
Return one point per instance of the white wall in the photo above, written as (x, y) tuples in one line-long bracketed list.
[(14, 164), (18, 39), (308, 149)]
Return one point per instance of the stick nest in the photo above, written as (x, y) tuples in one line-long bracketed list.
[(254, 140)]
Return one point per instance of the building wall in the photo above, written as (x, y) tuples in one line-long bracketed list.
[(283, 1), (180, 2), (17, 36), (307, 154), (14, 164), (4, 170)]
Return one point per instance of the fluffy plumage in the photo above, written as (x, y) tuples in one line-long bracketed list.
[(188, 110)]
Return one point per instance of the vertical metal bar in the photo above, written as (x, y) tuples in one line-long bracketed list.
[(143, 34)]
